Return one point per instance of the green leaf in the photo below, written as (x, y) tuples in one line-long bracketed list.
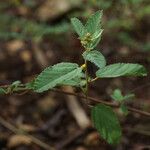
[(77, 82), (56, 75), (95, 57), (16, 83), (121, 69), (78, 26), (128, 96), (107, 124), (117, 95), (97, 34), (96, 39), (2, 91), (93, 23)]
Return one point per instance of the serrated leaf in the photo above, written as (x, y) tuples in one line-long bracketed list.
[(93, 23), (78, 26), (2, 91), (95, 57), (97, 34), (95, 39), (56, 75), (77, 82), (121, 69), (107, 124)]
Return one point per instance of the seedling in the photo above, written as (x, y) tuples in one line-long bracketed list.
[(72, 74), (117, 96), (121, 99)]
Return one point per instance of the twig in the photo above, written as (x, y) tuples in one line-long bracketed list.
[(131, 109), (84, 97), (18, 131), (139, 111)]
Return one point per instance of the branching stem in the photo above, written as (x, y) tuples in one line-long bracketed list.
[(111, 104)]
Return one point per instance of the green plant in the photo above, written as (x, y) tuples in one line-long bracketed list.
[(66, 73), (122, 19), (122, 99)]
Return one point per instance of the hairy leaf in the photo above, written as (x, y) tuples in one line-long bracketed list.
[(96, 39), (107, 124), (95, 57), (78, 26), (56, 75), (93, 23), (77, 82), (97, 34), (121, 69)]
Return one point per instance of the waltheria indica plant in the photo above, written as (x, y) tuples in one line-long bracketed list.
[(72, 74)]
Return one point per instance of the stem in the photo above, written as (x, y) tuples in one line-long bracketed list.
[(96, 78), (19, 88), (111, 104)]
